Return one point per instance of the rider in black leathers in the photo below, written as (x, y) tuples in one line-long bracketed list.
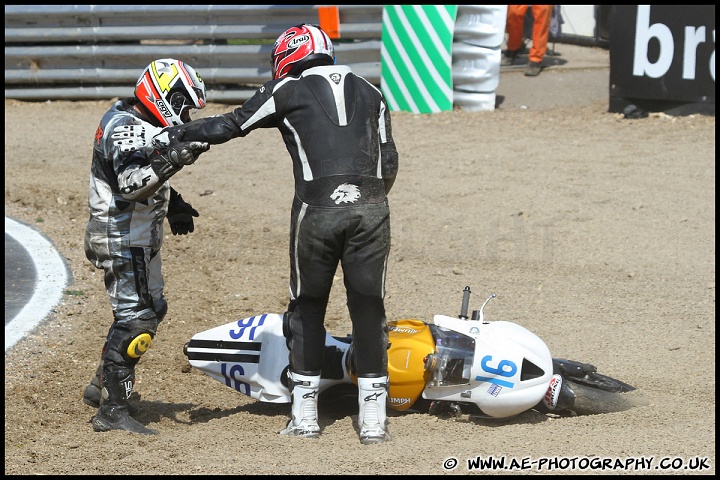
[(336, 127)]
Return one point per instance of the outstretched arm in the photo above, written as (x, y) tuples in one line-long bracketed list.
[(256, 112), (150, 164)]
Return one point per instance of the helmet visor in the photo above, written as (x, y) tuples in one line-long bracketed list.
[(182, 106)]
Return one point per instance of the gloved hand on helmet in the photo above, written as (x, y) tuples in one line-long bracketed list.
[(180, 214)]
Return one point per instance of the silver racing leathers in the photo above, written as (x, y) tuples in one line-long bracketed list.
[(128, 204)]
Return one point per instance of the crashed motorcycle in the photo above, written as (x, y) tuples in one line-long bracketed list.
[(453, 366)]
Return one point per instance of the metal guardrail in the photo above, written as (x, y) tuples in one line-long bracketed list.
[(82, 52), (88, 52)]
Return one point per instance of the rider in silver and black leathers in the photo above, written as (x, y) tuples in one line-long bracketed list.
[(129, 198)]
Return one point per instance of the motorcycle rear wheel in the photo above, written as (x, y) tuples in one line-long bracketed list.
[(593, 400), (602, 382)]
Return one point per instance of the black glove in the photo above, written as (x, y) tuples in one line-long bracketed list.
[(167, 163), (180, 214), (177, 156)]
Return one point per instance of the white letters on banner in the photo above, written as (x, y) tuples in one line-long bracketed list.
[(644, 32)]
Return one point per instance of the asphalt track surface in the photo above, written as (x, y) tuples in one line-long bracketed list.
[(36, 275)]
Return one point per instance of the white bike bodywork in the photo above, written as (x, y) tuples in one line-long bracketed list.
[(501, 367)]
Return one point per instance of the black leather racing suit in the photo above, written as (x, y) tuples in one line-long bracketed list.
[(336, 127)]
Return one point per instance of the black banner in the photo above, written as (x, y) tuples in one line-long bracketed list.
[(663, 58)]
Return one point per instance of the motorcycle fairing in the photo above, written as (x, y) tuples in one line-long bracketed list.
[(250, 355), (410, 343), (236, 354), (500, 366)]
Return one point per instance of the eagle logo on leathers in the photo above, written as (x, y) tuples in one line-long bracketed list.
[(336, 77), (345, 193)]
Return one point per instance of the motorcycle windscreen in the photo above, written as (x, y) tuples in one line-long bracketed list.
[(452, 363)]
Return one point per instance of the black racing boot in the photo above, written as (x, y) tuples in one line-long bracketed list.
[(91, 394), (113, 412)]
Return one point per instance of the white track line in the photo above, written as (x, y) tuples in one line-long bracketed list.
[(52, 277)]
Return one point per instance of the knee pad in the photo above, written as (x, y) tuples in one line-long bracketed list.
[(138, 344), (130, 339), (287, 332)]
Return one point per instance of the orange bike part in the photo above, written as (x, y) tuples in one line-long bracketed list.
[(410, 342)]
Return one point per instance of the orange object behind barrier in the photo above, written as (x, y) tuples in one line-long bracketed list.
[(329, 17)]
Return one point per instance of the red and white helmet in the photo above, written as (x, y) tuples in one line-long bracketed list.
[(169, 89), (297, 47)]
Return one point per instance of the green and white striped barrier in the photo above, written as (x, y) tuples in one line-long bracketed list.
[(416, 56)]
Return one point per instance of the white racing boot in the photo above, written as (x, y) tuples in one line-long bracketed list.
[(304, 421), (372, 419)]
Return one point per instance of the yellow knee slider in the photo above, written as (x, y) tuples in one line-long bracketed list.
[(139, 345)]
